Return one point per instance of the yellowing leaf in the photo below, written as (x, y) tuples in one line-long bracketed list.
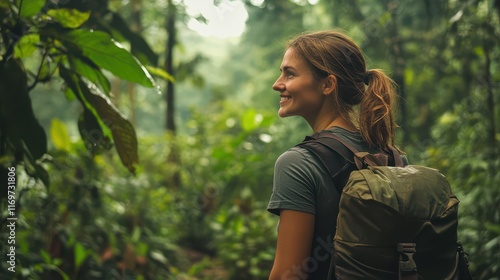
[(69, 18), (123, 132), (409, 76), (447, 118), (59, 135), (160, 73)]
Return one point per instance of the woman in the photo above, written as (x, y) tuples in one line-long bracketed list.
[(324, 80)]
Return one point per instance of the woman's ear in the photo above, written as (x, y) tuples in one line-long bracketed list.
[(329, 84)]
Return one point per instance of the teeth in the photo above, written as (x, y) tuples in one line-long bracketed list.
[(283, 98)]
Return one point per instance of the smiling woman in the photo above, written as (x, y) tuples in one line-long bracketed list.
[(324, 80), (227, 19)]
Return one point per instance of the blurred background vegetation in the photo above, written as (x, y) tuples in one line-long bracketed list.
[(117, 181)]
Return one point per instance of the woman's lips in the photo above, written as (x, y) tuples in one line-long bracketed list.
[(284, 98)]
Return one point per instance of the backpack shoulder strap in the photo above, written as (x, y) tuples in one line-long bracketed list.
[(327, 149), (367, 159), (322, 144), (361, 159)]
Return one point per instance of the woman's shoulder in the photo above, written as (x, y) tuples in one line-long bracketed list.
[(295, 154)]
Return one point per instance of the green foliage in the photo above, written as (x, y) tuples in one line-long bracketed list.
[(246, 241), (98, 222), (101, 50), (471, 168), (227, 180), (59, 39)]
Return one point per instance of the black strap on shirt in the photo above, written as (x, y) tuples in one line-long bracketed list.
[(340, 157), (338, 160)]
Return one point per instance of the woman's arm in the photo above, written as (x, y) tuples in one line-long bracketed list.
[(293, 250)]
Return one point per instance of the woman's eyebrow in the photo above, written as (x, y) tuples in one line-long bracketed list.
[(286, 68)]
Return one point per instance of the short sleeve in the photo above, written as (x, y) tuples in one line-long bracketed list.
[(294, 183)]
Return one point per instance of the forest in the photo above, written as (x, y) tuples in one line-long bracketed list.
[(134, 146)]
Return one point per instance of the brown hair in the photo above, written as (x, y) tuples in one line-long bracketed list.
[(331, 52)]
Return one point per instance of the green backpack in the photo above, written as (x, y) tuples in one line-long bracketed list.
[(394, 222)]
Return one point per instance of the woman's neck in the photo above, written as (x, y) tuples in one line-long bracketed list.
[(337, 121)]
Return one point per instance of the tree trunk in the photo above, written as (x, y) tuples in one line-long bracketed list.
[(136, 26), (497, 6), (398, 66), (334, 7), (173, 158), (490, 102), (170, 27), (489, 44)]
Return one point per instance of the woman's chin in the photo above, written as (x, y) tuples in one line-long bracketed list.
[(284, 113)]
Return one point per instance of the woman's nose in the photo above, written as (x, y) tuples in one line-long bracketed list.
[(278, 85)]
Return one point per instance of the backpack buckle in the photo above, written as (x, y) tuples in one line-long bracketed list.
[(364, 159), (407, 265)]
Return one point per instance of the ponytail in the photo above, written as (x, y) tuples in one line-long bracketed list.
[(376, 117)]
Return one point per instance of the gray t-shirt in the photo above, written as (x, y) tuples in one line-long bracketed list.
[(302, 183)]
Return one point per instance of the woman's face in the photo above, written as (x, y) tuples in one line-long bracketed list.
[(300, 92)]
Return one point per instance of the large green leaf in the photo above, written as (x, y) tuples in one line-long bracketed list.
[(99, 47), (29, 8), (95, 101), (89, 70), (92, 129), (123, 132), (139, 46), (70, 18)]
